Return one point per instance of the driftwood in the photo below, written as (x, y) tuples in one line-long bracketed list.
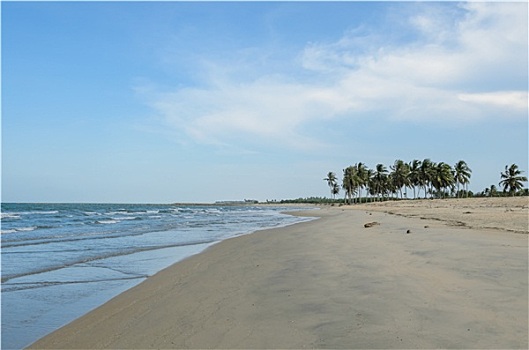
[(371, 224)]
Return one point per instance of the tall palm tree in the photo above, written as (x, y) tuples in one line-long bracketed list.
[(379, 179), (390, 187), (512, 179), (369, 183), (362, 177), (415, 174), (443, 178), (331, 182), (426, 174), (400, 175), (462, 175), (349, 182)]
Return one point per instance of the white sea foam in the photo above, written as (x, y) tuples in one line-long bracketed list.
[(106, 222), (26, 229), (125, 218), (38, 212), (9, 216), (8, 231)]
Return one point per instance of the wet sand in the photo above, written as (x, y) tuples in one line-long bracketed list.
[(332, 283)]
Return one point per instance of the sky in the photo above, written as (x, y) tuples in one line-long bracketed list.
[(163, 102)]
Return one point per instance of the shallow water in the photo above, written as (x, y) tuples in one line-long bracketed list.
[(61, 260)]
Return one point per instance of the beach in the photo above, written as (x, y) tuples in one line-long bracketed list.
[(426, 274), (502, 213)]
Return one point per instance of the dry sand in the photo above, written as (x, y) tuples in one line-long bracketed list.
[(506, 213), (331, 283)]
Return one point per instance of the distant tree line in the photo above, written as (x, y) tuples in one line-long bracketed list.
[(309, 200), (438, 180)]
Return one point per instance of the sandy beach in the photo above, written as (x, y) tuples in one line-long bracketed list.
[(506, 213), (432, 274)]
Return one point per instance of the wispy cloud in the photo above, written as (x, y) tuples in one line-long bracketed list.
[(515, 100), (453, 69)]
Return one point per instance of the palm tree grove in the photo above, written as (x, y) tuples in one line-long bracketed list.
[(418, 179)]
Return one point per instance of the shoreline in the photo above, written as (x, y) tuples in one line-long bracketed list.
[(326, 283), (84, 274)]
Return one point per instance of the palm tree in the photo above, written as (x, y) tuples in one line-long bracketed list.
[(512, 179), (462, 175), (400, 174), (369, 183), (335, 190), (443, 178), (331, 182), (391, 186), (415, 174), (379, 179), (362, 177), (349, 182), (426, 174)]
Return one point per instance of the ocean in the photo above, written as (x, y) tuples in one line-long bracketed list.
[(59, 261)]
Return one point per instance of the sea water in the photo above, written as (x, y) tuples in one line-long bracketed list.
[(61, 260)]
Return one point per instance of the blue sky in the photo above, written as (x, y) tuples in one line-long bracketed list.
[(198, 102)]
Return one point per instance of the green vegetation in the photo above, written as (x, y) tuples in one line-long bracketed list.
[(427, 179), (512, 179), (462, 175), (438, 180), (333, 185), (307, 200)]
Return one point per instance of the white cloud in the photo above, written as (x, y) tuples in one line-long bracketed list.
[(266, 108), (457, 72), (516, 100)]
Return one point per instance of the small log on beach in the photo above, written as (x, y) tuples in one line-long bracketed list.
[(371, 224)]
